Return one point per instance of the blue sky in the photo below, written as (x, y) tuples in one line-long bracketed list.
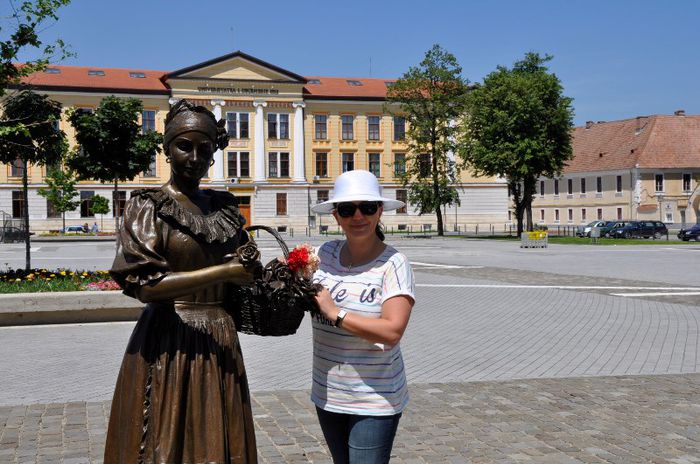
[(617, 58)]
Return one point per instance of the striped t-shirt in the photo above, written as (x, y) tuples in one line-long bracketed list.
[(352, 375)]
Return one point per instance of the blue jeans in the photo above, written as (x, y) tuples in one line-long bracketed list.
[(354, 439)]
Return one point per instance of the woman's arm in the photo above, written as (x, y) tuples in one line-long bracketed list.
[(387, 329), (178, 284)]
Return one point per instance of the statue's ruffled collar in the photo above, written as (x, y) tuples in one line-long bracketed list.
[(221, 225)]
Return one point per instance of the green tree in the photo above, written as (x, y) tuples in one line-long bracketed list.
[(519, 127), (100, 205), (431, 97), (36, 139), (111, 146), (61, 191), (28, 19)]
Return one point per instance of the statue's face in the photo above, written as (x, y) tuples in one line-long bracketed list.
[(191, 154)]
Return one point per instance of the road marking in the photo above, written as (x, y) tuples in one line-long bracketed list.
[(444, 266), (560, 287), (657, 294)]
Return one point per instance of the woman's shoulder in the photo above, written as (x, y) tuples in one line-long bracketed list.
[(392, 255)]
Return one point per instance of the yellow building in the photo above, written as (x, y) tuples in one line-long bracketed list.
[(290, 136), (644, 168)]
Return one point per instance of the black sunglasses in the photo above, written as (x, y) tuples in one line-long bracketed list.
[(347, 209)]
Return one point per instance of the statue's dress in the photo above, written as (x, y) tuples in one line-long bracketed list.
[(182, 393)]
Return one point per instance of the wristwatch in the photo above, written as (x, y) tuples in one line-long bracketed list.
[(339, 319)]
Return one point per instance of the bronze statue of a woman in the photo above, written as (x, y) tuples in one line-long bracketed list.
[(182, 393)]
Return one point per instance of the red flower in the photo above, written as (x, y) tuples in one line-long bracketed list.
[(298, 259)]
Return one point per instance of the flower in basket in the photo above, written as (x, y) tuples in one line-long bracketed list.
[(303, 261)]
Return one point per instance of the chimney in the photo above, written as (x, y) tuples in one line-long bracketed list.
[(589, 124), (679, 113)]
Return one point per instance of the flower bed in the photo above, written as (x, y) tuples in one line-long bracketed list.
[(59, 280)]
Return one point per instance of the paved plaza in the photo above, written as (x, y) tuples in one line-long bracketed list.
[(565, 354)]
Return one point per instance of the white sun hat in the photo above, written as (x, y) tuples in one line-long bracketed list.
[(357, 185)]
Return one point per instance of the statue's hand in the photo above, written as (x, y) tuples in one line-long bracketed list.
[(242, 274)]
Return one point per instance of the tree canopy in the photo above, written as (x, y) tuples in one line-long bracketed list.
[(519, 127), (431, 98), (28, 20), (61, 191), (111, 146), (35, 139)]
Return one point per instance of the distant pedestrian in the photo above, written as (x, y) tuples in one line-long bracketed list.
[(94, 228), (86, 227), (359, 384)]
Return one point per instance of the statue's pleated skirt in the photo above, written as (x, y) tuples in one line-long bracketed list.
[(182, 393)]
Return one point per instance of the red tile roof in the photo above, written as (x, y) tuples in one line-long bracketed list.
[(650, 141), (337, 88), (76, 78)]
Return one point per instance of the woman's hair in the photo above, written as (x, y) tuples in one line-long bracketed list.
[(181, 118)]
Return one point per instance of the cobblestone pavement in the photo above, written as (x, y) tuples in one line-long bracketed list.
[(578, 420)]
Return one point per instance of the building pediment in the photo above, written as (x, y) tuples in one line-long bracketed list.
[(236, 67)]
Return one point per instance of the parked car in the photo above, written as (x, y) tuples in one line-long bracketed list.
[(625, 229), (691, 233), (13, 234), (585, 231), (73, 230), (654, 229)]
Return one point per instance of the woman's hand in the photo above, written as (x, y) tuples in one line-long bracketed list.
[(327, 305)]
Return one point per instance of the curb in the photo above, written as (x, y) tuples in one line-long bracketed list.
[(67, 308)]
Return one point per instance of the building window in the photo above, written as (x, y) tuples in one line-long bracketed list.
[(373, 127), (321, 125), (570, 186), (687, 187), (600, 214), (556, 215), (137, 75), (277, 126), (541, 215), (583, 185), (570, 216), (583, 214), (346, 127), (51, 210), (599, 185), (659, 182), (322, 164), (399, 164), (618, 184), (556, 187), (86, 203), (399, 128), (151, 170), (541, 188), (374, 163), (148, 121), (237, 125), (281, 204), (121, 202), (348, 162), (17, 168), (278, 164), (619, 214), (321, 196), (424, 164), (669, 217), (402, 195), (18, 206), (238, 164)]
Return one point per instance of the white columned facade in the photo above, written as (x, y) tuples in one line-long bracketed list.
[(298, 154), (259, 140), (218, 175)]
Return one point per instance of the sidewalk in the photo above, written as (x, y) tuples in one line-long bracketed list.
[(580, 420)]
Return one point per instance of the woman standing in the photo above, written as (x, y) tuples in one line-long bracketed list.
[(182, 394), (359, 385)]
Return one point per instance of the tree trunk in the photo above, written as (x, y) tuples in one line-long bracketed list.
[(528, 193), (115, 205), (63, 217), (25, 217), (436, 190), (515, 189)]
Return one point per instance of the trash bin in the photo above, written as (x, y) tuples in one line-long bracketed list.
[(537, 239)]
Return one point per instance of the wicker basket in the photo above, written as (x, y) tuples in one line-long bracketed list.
[(275, 304)]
